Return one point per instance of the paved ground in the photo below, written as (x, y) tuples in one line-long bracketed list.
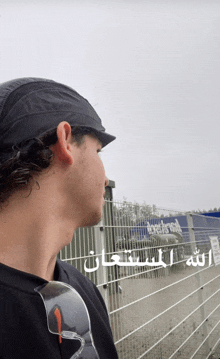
[(148, 309)]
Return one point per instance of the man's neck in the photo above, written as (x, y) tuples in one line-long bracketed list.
[(31, 236)]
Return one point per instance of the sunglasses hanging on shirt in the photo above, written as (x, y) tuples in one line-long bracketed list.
[(68, 317)]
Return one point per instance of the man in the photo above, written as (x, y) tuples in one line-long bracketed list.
[(52, 181)]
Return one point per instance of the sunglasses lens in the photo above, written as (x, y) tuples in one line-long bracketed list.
[(67, 316)]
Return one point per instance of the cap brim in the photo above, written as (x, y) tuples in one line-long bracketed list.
[(104, 137)]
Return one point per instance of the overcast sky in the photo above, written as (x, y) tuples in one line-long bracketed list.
[(150, 68)]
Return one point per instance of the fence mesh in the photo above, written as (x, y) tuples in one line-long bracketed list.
[(156, 272)]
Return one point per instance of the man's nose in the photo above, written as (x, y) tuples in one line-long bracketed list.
[(106, 181)]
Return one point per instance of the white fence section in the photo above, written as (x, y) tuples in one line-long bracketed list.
[(156, 272)]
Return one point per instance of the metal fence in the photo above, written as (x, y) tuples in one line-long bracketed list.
[(156, 272)]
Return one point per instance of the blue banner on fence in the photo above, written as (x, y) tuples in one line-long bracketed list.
[(165, 225), (176, 224)]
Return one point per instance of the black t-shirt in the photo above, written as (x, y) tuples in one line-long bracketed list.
[(24, 332)]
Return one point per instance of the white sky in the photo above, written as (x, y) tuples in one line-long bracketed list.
[(150, 68)]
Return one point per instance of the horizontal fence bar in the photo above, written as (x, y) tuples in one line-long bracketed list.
[(166, 310), (204, 341), (187, 339), (159, 290)]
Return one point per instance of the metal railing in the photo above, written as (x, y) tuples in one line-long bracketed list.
[(156, 273)]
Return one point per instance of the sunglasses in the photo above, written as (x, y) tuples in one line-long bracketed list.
[(68, 317)]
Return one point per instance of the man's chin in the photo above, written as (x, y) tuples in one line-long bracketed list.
[(92, 220)]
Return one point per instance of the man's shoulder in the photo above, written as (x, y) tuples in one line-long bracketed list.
[(86, 288), (73, 275)]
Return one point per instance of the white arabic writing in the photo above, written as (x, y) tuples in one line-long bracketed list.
[(194, 260)]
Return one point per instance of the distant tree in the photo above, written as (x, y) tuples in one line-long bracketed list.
[(126, 215), (198, 211)]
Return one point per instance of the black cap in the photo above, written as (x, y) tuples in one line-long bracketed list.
[(29, 107)]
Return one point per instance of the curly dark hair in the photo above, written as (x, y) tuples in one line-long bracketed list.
[(20, 164)]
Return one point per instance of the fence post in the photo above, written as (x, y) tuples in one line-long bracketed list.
[(200, 292), (102, 275)]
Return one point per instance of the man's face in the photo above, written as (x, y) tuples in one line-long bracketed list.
[(88, 182)]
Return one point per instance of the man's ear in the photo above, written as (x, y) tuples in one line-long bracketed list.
[(63, 148)]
